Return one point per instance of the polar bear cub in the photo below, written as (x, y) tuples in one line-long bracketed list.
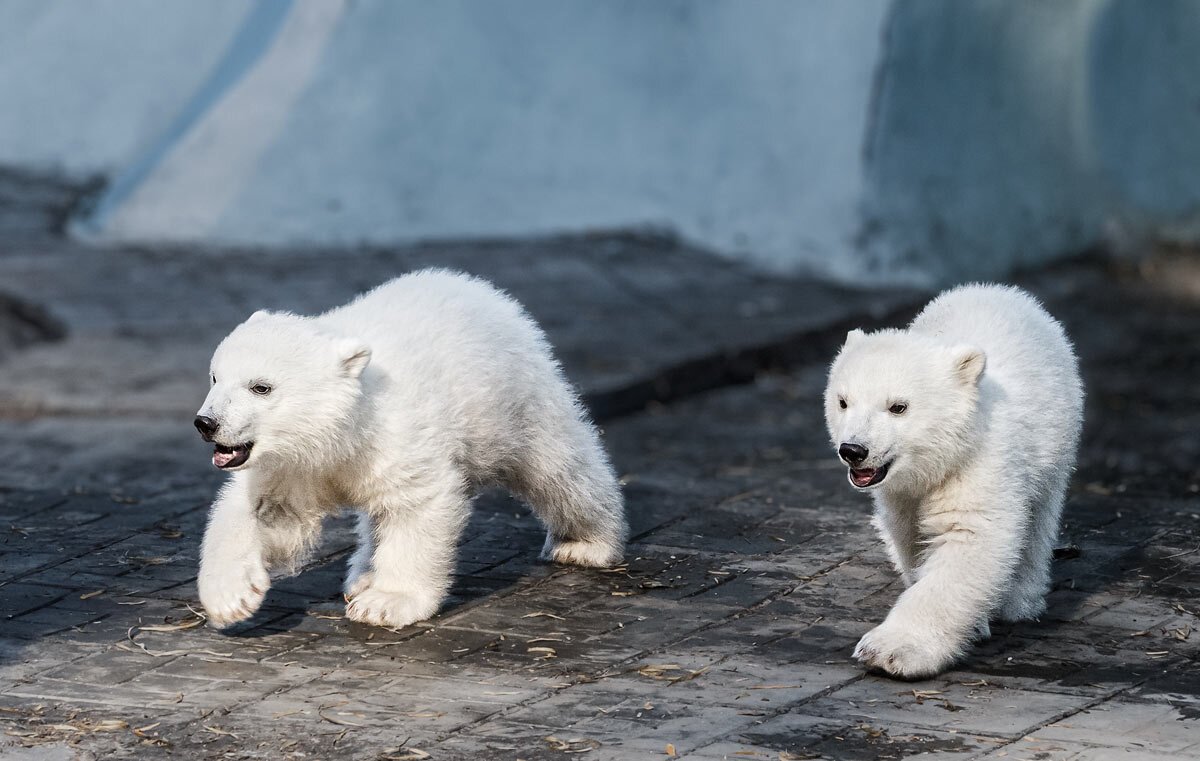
[(397, 405), (964, 427)]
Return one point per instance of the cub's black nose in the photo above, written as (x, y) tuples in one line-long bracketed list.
[(851, 453), (206, 426)]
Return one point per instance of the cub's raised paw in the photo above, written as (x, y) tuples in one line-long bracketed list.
[(232, 592), (370, 605), (905, 652), (594, 553)]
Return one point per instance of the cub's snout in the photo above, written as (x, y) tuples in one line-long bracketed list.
[(206, 426), (225, 456), (853, 454)]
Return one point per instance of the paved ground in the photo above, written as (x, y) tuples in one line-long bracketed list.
[(726, 635)]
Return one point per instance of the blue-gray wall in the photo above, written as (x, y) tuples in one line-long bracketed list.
[(872, 141)]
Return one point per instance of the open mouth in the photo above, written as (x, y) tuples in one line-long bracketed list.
[(865, 477), (227, 458)]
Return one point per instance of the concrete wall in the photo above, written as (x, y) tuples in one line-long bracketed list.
[(739, 126), (873, 140), (1008, 133), (86, 87), (1143, 90), (980, 157)]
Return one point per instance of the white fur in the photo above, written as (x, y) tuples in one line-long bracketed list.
[(980, 463), (399, 405)]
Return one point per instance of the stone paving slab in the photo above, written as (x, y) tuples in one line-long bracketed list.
[(727, 633)]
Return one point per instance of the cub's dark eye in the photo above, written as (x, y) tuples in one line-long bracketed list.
[(213, 378), (261, 389), (898, 408), (841, 402)]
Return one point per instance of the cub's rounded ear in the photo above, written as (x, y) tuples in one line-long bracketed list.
[(353, 356), (968, 363), (260, 314), (854, 335)]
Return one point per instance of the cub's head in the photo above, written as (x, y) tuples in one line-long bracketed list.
[(900, 408), (281, 390)]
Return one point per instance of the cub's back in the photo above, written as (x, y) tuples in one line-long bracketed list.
[(1018, 335), (438, 309), (998, 318), (447, 336), (1031, 380)]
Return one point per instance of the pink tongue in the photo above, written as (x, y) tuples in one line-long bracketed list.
[(221, 458), (864, 476)]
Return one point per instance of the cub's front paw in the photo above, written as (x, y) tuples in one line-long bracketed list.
[(232, 592), (594, 553), (371, 605), (907, 652)]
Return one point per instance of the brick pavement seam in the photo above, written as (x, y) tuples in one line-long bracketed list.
[(1059, 717)]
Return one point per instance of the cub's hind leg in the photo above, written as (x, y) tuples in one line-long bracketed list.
[(1025, 599), (566, 477)]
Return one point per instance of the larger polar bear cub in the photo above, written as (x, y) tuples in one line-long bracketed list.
[(398, 405), (965, 428)]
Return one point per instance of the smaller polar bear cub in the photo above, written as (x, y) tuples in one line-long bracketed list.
[(965, 428), (398, 405)]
